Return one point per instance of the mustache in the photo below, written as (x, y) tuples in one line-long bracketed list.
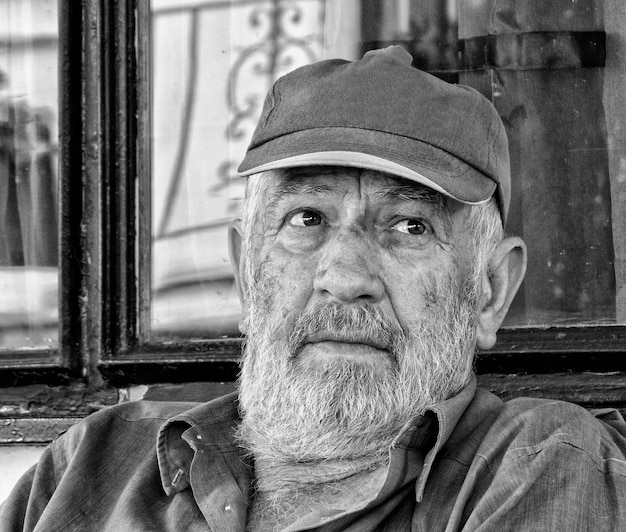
[(364, 323)]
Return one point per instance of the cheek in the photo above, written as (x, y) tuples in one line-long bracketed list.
[(287, 282), (419, 289), (407, 295)]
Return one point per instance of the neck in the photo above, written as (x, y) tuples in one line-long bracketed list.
[(286, 491), (272, 476)]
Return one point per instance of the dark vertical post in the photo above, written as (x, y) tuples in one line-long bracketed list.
[(70, 182)]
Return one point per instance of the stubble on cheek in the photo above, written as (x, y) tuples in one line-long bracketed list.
[(270, 288)]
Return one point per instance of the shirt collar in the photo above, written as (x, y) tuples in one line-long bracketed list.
[(210, 426)]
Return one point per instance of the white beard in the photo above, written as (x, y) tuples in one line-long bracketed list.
[(337, 410)]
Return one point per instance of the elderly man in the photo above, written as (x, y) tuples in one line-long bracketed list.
[(371, 262)]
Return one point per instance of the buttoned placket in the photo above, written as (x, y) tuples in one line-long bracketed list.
[(217, 494)]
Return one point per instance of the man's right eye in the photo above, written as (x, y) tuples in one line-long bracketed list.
[(305, 219)]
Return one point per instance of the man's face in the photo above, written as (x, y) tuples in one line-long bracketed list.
[(361, 305)]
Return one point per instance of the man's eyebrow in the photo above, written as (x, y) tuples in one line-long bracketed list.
[(297, 180), (410, 192), (293, 187), (296, 186)]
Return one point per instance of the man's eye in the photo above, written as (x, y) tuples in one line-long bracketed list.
[(305, 219), (411, 226)]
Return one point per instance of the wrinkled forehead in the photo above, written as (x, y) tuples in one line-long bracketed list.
[(333, 179)]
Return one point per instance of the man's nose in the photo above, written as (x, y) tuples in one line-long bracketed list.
[(348, 269)]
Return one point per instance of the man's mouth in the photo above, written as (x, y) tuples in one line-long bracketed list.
[(326, 346), (354, 338)]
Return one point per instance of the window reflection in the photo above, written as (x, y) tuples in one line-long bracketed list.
[(561, 102), (28, 174), (213, 63)]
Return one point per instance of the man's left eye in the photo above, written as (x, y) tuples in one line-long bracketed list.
[(411, 226), (305, 219)]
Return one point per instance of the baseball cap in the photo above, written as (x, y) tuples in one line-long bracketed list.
[(380, 113)]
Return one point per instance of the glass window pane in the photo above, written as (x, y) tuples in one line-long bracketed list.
[(28, 174), (213, 62)]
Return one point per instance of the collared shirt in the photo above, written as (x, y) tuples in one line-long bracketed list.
[(470, 463)]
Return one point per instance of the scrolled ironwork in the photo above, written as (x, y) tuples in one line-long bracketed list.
[(270, 56)]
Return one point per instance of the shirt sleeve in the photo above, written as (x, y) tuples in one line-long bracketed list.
[(30, 496)]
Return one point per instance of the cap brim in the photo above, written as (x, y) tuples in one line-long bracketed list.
[(407, 158)]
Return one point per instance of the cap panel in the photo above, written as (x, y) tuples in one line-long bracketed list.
[(375, 95)]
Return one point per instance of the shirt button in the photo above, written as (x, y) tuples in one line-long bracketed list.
[(177, 477), (227, 508)]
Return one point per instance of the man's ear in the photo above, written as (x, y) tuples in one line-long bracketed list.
[(504, 276), (238, 263)]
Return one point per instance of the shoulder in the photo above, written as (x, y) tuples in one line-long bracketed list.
[(144, 410), (535, 420), (139, 420), (529, 429), (150, 412), (536, 464)]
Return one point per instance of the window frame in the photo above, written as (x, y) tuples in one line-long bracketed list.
[(104, 179)]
